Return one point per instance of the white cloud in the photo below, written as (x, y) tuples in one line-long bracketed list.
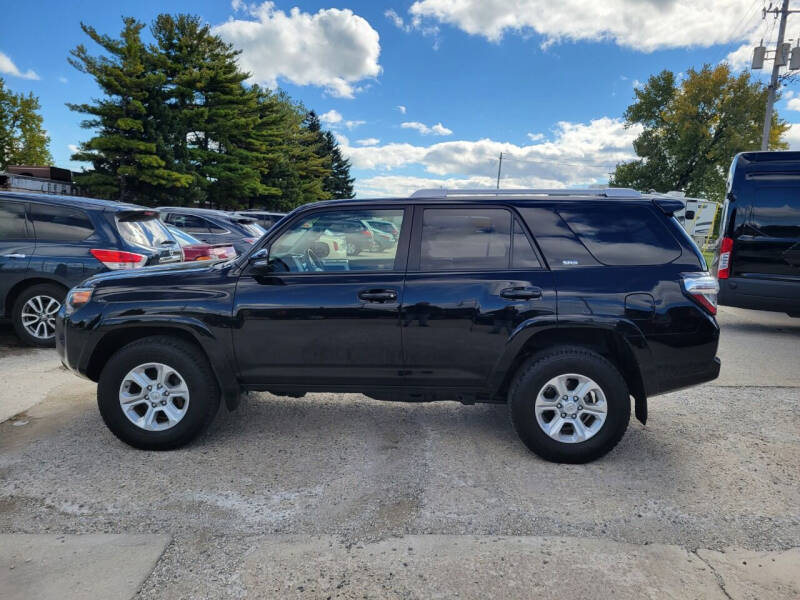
[(398, 21), (536, 137), (8, 67), (73, 148), (333, 118), (644, 25), (437, 129), (368, 142), (793, 104), (792, 136), (332, 48), (63, 79), (401, 108), (577, 154)]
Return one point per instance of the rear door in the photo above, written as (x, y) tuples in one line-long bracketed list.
[(17, 244), (63, 241), (768, 246), (474, 275)]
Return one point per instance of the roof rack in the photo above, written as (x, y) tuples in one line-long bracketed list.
[(604, 192)]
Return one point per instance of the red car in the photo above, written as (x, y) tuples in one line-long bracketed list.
[(194, 249)]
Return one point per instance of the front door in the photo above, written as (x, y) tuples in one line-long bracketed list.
[(17, 245), (473, 277), (320, 315)]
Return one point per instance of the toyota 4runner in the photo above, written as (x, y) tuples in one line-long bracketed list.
[(564, 304)]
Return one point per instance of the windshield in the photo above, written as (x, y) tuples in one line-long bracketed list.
[(148, 232)]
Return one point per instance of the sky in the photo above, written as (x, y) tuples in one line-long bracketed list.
[(428, 93)]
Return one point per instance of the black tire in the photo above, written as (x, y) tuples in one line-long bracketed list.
[(49, 290), (534, 374), (193, 367)]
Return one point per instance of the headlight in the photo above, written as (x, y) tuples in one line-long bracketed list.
[(76, 298)]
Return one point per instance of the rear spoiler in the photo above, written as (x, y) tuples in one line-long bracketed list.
[(137, 215), (669, 206)]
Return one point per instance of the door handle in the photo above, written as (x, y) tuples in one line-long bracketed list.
[(13, 256), (378, 295), (521, 293)]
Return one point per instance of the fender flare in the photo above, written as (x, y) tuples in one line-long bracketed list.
[(634, 346), (216, 350)]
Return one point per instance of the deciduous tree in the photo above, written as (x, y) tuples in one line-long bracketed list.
[(23, 140)]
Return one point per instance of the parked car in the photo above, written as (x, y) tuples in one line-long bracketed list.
[(50, 243), (194, 249), (561, 304), (264, 218), (359, 236), (757, 261), (214, 226), (386, 227)]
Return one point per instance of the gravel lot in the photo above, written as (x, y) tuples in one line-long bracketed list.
[(343, 475)]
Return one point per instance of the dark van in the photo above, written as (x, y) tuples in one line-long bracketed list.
[(758, 255)]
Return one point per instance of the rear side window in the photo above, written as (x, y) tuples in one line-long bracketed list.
[(622, 235), (149, 233), (776, 211), (473, 239), (60, 223), (189, 223), (12, 221), (250, 227)]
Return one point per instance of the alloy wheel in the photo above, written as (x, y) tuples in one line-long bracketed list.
[(571, 408), (39, 316), (154, 396)]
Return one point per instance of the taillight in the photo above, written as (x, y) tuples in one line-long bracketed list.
[(703, 289), (367, 232), (724, 263), (335, 246), (250, 240), (119, 259)]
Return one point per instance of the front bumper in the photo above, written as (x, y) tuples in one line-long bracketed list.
[(73, 343)]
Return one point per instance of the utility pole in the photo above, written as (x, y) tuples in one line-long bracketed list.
[(776, 67), (500, 165)]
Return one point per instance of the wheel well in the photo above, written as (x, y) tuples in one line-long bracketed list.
[(606, 343), (23, 285), (115, 340)]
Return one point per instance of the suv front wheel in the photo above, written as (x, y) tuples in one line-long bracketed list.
[(157, 393), (569, 405)]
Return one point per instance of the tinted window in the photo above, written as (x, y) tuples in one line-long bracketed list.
[(150, 233), (776, 211), (335, 241), (189, 223), (465, 238), (12, 221), (622, 235), (60, 223), (523, 256)]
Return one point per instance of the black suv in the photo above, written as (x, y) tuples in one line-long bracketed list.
[(563, 304), (49, 244), (758, 253)]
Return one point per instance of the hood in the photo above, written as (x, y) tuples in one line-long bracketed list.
[(157, 271)]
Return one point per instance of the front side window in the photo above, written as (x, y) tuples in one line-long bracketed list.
[(336, 240), (12, 221), (60, 223)]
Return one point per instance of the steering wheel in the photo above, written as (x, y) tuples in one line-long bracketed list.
[(314, 260)]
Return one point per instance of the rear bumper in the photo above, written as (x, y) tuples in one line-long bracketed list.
[(760, 294), (690, 376)]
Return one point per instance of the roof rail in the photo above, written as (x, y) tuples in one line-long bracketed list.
[(604, 192)]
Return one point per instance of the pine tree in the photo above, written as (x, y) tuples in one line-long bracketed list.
[(124, 152), (338, 184), (214, 119), (23, 140)]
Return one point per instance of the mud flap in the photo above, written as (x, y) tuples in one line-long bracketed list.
[(641, 409)]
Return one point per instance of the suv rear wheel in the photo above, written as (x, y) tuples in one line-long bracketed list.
[(34, 314), (157, 393), (569, 405)]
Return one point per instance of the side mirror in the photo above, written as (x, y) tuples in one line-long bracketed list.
[(259, 261)]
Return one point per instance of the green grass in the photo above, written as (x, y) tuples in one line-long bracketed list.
[(709, 256)]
